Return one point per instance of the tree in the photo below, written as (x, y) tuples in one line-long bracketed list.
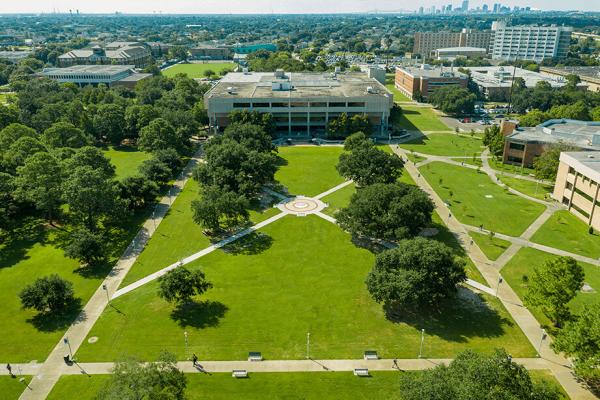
[(155, 171), (12, 133), (8, 115), (546, 165), (360, 123), (254, 118), (476, 376), (158, 135), (47, 294), (595, 114), (581, 339), (368, 165), (418, 273), (220, 210), (553, 285), (39, 182), (208, 73), (92, 157), (180, 285), (170, 158), (533, 118), (65, 134), (20, 150), (109, 123), (8, 204), (133, 379), (356, 141), (138, 116), (251, 136), (137, 192), (86, 246), (178, 53), (387, 211), (453, 100), (494, 140)]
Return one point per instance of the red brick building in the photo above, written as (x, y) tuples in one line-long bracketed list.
[(424, 80)]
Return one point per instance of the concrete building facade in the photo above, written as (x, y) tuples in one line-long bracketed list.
[(452, 53), (302, 104), (427, 42), (588, 75), (122, 53), (110, 75), (578, 185), (210, 52), (529, 42), (424, 80)]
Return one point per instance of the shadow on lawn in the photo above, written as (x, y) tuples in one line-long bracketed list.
[(15, 244), (465, 316), (251, 244), (398, 118), (200, 315), (52, 322)]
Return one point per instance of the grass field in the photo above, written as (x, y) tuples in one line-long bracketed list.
[(309, 170), (445, 144), (513, 169), (197, 70), (338, 199), (474, 199), (491, 247), (567, 232), (414, 118), (391, 86), (533, 189), (11, 388), (178, 236), (296, 385), (523, 264), (304, 276), (126, 160)]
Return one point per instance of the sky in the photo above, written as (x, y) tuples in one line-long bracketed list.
[(266, 6)]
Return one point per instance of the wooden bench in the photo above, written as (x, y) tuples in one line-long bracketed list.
[(239, 373), (361, 372), (370, 355), (255, 356)]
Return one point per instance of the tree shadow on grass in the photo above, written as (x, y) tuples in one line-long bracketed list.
[(251, 244), (58, 321), (465, 316), (98, 271), (200, 315), (15, 244)]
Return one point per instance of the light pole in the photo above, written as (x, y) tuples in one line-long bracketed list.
[(500, 280), (185, 337), (66, 341), (307, 345), (422, 340), (542, 338), (106, 291), (154, 218)]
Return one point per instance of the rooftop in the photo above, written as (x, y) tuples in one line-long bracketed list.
[(585, 162), (267, 85), (591, 74), (90, 69), (582, 134), (462, 49), (503, 77), (427, 71)]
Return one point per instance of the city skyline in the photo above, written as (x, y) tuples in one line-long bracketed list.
[(270, 6)]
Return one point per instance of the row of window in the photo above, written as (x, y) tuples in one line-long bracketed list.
[(301, 105)]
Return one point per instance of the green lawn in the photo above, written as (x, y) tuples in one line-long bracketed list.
[(520, 268), (414, 118), (309, 170), (491, 247), (391, 86), (338, 199), (197, 70), (381, 385), (414, 158), (11, 388), (126, 160), (567, 232), (177, 236), (445, 144), (476, 200), (533, 189), (304, 276), (513, 169)]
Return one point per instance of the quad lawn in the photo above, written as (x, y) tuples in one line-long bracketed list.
[(178, 236), (537, 190), (475, 200), (11, 388), (309, 170), (513, 169), (520, 269), (415, 118), (126, 160), (415, 158), (301, 275), (196, 70), (445, 144), (391, 86), (382, 385), (492, 247), (338, 199), (567, 232)]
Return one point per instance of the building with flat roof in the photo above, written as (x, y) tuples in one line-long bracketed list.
[(588, 75), (427, 42), (122, 53), (452, 53), (529, 42), (302, 104), (110, 75), (525, 144), (15, 56), (495, 83), (578, 185), (210, 52), (424, 80), (249, 48)]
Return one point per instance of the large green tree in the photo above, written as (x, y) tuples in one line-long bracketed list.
[(387, 211), (47, 294), (553, 285), (218, 210), (367, 165), (494, 140), (418, 273), (109, 123), (453, 100), (546, 165), (158, 134), (86, 246), (180, 285), (65, 134), (253, 137)]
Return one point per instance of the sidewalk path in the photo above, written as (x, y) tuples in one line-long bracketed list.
[(522, 316), (48, 373)]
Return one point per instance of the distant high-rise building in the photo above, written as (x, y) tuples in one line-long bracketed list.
[(485, 8), (465, 5), (421, 10), (496, 8), (427, 42)]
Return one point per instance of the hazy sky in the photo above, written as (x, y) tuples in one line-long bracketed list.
[(265, 6)]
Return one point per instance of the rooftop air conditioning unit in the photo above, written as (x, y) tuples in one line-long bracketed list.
[(231, 90)]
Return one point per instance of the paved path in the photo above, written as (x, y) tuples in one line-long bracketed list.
[(522, 316), (49, 372), (333, 189)]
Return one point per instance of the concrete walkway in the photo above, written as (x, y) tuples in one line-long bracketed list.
[(522, 316), (48, 373)]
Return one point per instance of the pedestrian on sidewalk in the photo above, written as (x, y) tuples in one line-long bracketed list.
[(396, 364), (194, 360), (9, 368)]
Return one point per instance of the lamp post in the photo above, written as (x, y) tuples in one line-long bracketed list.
[(422, 340), (307, 345), (185, 337), (66, 341), (106, 291), (154, 218), (500, 280), (542, 338)]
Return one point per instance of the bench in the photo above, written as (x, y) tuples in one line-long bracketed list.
[(361, 372), (239, 373), (370, 355), (255, 356)]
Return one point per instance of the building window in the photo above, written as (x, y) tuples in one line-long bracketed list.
[(337, 104), (261, 105), (584, 195), (516, 146), (241, 105), (279, 105), (515, 159), (298, 104), (318, 105), (565, 201), (357, 104), (580, 211)]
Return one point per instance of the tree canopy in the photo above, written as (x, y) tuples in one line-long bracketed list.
[(453, 100), (47, 294), (180, 285), (367, 165)]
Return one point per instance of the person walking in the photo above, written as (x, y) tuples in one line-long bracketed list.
[(194, 360), (9, 368)]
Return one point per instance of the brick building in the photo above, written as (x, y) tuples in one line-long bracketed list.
[(424, 80)]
